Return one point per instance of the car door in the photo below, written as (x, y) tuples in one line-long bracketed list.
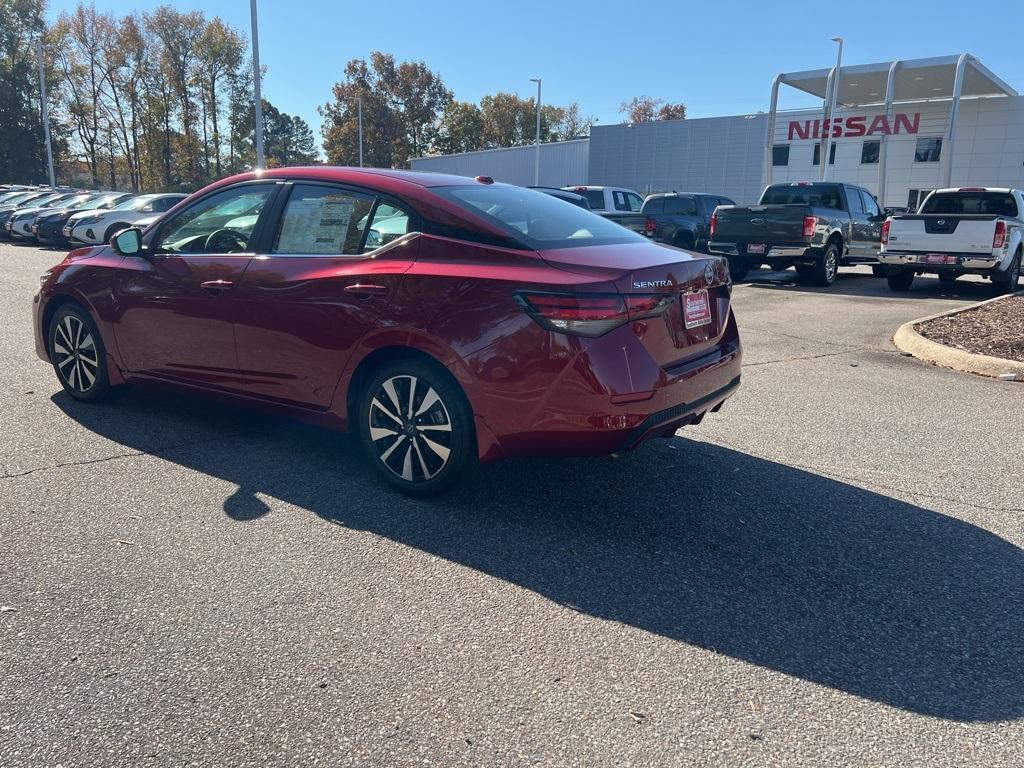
[(859, 244), (875, 218), (176, 299), (331, 267)]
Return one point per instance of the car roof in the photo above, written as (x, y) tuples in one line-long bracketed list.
[(375, 176)]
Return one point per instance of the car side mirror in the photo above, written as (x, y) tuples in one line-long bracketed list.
[(127, 242)]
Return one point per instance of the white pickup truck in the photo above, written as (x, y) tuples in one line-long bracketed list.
[(966, 231)]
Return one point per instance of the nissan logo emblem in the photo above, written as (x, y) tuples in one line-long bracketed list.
[(941, 222), (709, 274)]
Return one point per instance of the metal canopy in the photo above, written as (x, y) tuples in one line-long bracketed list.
[(915, 80)]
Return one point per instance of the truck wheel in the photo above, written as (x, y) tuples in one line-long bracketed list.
[(1007, 282), (900, 281), (739, 266), (878, 270), (826, 268), (685, 242)]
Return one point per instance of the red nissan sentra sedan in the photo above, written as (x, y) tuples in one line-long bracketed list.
[(445, 320)]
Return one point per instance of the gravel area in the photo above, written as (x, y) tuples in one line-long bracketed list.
[(995, 329)]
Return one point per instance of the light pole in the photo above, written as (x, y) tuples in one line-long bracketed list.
[(45, 111), (260, 159), (360, 131), (831, 107), (536, 142)]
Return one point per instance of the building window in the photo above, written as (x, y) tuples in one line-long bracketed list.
[(780, 155), (869, 153), (831, 154), (928, 150)]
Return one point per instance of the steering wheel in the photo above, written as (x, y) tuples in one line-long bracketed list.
[(225, 241)]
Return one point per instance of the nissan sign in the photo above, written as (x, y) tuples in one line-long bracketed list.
[(854, 126)]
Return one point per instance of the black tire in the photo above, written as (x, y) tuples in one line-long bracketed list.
[(1006, 282), (804, 270), (826, 268), (78, 355), (947, 277), (900, 281), (113, 229), (393, 427), (878, 270), (739, 266), (685, 242)]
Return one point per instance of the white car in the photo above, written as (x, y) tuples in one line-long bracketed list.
[(97, 227)]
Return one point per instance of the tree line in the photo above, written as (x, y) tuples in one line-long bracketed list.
[(164, 100)]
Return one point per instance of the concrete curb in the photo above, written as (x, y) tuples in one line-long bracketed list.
[(911, 342)]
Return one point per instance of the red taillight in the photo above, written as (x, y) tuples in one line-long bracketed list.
[(593, 314), (713, 225), (650, 225), (999, 240), (885, 231), (810, 224)]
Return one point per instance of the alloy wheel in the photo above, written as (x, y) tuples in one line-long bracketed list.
[(410, 428), (830, 264), (75, 354)]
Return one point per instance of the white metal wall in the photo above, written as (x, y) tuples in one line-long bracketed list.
[(988, 151), (561, 163)]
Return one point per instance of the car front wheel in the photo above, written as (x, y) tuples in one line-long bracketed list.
[(416, 427), (77, 354)]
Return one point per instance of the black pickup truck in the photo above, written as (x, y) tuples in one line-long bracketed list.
[(682, 220), (814, 226)]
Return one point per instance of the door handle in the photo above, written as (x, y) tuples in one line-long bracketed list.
[(216, 286), (366, 290)]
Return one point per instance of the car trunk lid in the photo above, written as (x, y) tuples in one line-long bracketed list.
[(945, 233)]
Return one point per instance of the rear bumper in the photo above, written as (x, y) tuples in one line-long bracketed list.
[(961, 261), (586, 411), (795, 252)]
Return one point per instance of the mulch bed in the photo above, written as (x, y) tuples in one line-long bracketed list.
[(995, 329)]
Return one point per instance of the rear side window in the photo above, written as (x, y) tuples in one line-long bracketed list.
[(990, 203), (323, 221), (854, 199), (655, 205), (389, 223), (822, 195), (537, 220)]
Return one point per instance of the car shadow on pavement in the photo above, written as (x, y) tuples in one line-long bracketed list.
[(859, 284), (765, 563)]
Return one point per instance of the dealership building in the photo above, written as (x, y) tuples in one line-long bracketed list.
[(899, 128)]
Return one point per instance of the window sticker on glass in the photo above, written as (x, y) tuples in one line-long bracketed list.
[(316, 225)]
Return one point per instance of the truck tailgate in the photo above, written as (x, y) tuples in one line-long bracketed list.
[(776, 224), (945, 233)]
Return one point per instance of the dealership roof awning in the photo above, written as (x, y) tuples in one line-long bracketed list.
[(914, 80)]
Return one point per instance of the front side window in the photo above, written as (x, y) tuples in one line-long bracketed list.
[(780, 155), (219, 223), (635, 202), (537, 220), (869, 152), (162, 204), (389, 223), (928, 150), (870, 206), (325, 221)]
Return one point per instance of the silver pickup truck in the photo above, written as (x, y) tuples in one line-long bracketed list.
[(965, 231)]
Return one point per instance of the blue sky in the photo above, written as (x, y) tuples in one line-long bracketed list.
[(717, 57)]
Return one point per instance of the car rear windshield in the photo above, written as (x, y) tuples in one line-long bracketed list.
[(821, 195), (991, 203), (537, 220)]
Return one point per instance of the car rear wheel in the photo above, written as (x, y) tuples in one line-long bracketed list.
[(826, 268), (900, 281), (1007, 282), (739, 266), (416, 427), (77, 354)]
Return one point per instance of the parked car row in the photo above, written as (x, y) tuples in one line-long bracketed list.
[(71, 217), (818, 227)]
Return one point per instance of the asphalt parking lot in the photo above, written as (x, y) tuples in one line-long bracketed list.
[(828, 572)]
